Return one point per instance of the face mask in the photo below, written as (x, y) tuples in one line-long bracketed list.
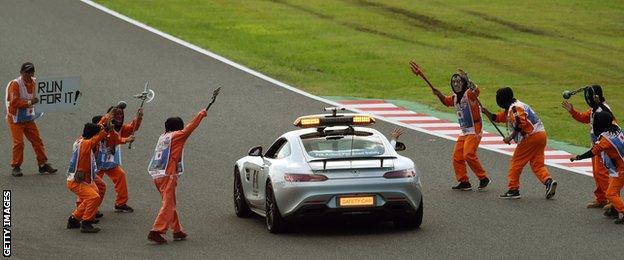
[(593, 96), (589, 97), (501, 103), (457, 83), (504, 97), (603, 121), (118, 119)]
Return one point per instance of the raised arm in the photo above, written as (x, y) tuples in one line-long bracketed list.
[(128, 129), (417, 70), (583, 117), (190, 127), (94, 141)]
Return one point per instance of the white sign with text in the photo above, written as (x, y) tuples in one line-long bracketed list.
[(58, 93)]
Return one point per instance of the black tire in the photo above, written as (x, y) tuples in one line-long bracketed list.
[(241, 208), (411, 221), (274, 221)]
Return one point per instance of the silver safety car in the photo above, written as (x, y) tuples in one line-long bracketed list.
[(333, 166)]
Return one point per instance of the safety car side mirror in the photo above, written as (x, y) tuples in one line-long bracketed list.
[(399, 146), (255, 151)]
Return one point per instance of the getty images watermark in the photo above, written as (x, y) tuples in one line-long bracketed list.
[(6, 223)]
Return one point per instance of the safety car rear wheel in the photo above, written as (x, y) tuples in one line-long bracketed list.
[(240, 203), (413, 220), (274, 221)]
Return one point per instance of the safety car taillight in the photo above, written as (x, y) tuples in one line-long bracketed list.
[(297, 177), (409, 173)]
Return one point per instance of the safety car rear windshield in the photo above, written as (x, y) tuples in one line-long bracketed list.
[(343, 146)]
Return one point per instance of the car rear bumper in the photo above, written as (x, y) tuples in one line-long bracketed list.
[(392, 197), (390, 210)]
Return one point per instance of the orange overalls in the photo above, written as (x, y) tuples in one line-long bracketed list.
[(83, 160), (613, 145), (469, 115), (20, 118), (531, 141), (600, 172), (165, 167), (100, 186), (112, 167)]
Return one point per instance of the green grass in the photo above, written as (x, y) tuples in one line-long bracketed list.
[(362, 48)]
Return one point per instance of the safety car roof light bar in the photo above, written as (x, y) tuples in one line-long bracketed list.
[(322, 121)]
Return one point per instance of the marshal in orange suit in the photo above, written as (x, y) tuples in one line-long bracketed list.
[(21, 103), (81, 178), (108, 155), (466, 104), (527, 130), (611, 143), (165, 167), (597, 103)]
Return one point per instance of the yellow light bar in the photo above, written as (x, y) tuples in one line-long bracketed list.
[(307, 122), (310, 121), (325, 121), (363, 120)]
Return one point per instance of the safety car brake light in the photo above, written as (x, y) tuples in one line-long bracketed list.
[(297, 177), (409, 173)]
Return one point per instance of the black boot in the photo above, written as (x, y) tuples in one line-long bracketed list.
[(46, 168), (99, 215), (73, 222), (124, 208), (551, 187), (510, 194), (611, 213), (87, 227), (17, 171), (156, 237), (463, 186), (483, 183)]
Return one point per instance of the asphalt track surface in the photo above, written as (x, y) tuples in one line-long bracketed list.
[(115, 58)]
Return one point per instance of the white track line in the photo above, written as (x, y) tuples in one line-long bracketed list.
[(384, 105), (500, 146), (491, 138), (220, 58), (416, 118), (557, 152), (437, 124), (447, 132), (381, 113)]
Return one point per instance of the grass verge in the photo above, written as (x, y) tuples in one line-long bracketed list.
[(361, 48)]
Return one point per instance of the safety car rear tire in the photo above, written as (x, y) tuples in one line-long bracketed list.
[(411, 221), (241, 208), (274, 221)]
